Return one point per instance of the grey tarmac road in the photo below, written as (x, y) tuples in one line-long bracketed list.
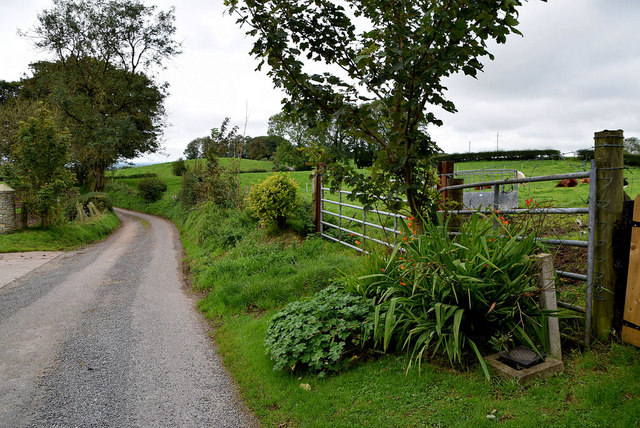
[(108, 336)]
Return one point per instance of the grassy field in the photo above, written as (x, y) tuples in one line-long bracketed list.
[(247, 274), (59, 237)]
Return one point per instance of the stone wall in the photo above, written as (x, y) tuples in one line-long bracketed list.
[(7, 209)]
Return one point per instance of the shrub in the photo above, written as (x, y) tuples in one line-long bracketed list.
[(100, 200), (179, 167), (142, 175), (192, 182), (441, 293), (274, 200), (151, 189), (317, 334)]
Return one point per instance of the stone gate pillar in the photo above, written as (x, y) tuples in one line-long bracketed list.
[(7, 209)]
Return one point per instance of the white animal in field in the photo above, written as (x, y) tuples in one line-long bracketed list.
[(520, 174)]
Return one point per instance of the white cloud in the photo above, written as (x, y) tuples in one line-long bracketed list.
[(573, 73)]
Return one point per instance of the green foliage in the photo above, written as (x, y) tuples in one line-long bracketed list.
[(60, 236), (179, 167), (151, 189), (289, 156), (632, 145), (141, 175), (195, 146), (191, 190), (100, 200), (630, 159), (393, 58), (263, 147), (102, 50), (38, 169), (219, 228), (500, 155), (438, 293), (274, 200), (319, 333)]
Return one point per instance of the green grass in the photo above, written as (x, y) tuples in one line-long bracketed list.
[(247, 274), (59, 237), (598, 388)]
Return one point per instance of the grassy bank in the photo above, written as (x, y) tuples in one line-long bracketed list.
[(246, 275), (59, 237)]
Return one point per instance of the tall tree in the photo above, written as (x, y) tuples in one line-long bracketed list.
[(385, 62), (111, 114), (195, 147), (106, 55)]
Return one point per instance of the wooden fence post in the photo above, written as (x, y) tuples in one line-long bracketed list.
[(316, 200), (445, 170), (455, 198), (547, 286), (609, 199)]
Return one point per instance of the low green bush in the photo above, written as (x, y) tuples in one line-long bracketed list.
[(99, 199), (275, 200), (151, 189), (318, 334)]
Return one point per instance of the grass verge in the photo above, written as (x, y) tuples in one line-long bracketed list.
[(247, 275), (59, 237)]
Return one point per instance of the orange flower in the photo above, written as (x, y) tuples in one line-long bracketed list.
[(401, 266), (402, 283), (351, 234), (382, 269), (357, 242)]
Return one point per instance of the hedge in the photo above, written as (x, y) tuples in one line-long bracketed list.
[(500, 155)]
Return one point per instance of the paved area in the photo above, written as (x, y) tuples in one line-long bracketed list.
[(108, 336), (17, 265)]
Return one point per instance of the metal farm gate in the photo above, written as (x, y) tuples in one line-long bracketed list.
[(353, 226)]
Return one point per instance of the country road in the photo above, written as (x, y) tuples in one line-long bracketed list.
[(108, 336)]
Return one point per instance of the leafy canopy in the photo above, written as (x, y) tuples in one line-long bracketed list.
[(382, 64), (38, 165), (101, 81)]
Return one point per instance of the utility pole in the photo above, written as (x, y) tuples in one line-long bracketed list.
[(497, 136), (469, 146)]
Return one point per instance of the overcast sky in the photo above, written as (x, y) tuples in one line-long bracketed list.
[(575, 71)]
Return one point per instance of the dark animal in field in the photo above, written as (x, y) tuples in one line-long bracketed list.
[(585, 180), (567, 182)]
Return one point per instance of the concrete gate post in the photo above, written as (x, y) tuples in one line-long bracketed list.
[(7, 209)]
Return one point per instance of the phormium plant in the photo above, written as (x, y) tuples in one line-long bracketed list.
[(442, 293)]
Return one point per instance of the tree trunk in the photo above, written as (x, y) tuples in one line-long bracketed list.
[(97, 179)]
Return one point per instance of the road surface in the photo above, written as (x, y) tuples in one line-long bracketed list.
[(108, 336)]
